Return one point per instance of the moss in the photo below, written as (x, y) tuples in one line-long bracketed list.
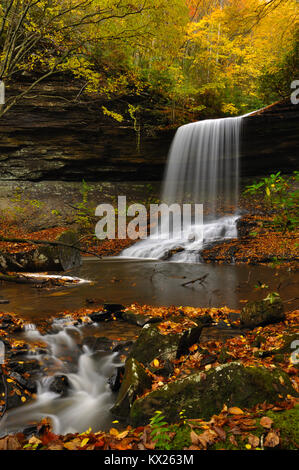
[(223, 356), (261, 313), (135, 382), (182, 437), (202, 395), (153, 345), (287, 422)]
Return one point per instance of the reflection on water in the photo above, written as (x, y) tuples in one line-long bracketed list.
[(155, 283)]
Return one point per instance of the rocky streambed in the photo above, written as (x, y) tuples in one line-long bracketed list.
[(179, 360)]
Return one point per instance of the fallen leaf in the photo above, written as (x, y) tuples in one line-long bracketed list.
[(84, 442), (233, 441), (207, 438), (235, 411), (220, 431), (253, 440), (272, 439), (266, 422)]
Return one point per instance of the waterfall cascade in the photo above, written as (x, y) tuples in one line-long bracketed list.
[(202, 168)]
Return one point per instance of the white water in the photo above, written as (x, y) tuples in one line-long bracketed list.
[(89, 399), (202, 168)]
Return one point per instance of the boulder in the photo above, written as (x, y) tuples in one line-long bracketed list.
[(47, 257), (134, 383), (60, 384), (219, 333), (202, 395), (115, 379), (151, 344), (139, 320), (262, 312)]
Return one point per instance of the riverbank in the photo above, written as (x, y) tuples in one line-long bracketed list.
[(188, 343)]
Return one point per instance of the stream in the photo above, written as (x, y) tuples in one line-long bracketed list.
[(154, 283), (120, 280)]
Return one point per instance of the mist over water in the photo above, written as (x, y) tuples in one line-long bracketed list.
[(202, 168)]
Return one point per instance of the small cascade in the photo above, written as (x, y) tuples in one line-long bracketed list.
[(89, 398), (202, 168)]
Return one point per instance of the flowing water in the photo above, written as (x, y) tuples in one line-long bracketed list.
[(89, 397), (202, 168)]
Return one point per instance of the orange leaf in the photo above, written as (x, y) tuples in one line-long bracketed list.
[(235, 411), (266, 422)]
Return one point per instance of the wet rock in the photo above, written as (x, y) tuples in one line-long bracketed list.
[(139, 320), (114, 308), (202, 395), (219, 333), (166, 370), (98, 317), (263, 312), (60, 385), (26, 384), (151, 344), (23, 367), (208, 359), (31, 430), (135, 382), (123, 347), (116, 378), (98, 344), (189, 338)]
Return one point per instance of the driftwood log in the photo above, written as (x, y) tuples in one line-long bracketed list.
[(61, 254)]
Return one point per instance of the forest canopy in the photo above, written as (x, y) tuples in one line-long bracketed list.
[(195, 58)]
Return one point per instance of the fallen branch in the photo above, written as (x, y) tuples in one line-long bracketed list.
[(18, 278), (43, 242), (199, 279)]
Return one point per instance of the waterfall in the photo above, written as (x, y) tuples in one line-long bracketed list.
[(202, 168)]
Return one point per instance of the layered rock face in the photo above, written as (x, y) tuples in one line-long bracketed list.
[(51, 135)]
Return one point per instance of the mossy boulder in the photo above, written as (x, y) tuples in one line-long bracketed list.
[(262, 312), (152, 344), (202, 395), (134, 383)]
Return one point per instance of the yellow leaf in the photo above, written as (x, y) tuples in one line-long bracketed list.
[(84, 442), (122, 435), (156, 363), (114, 432), (23, 399), (235, 411)]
